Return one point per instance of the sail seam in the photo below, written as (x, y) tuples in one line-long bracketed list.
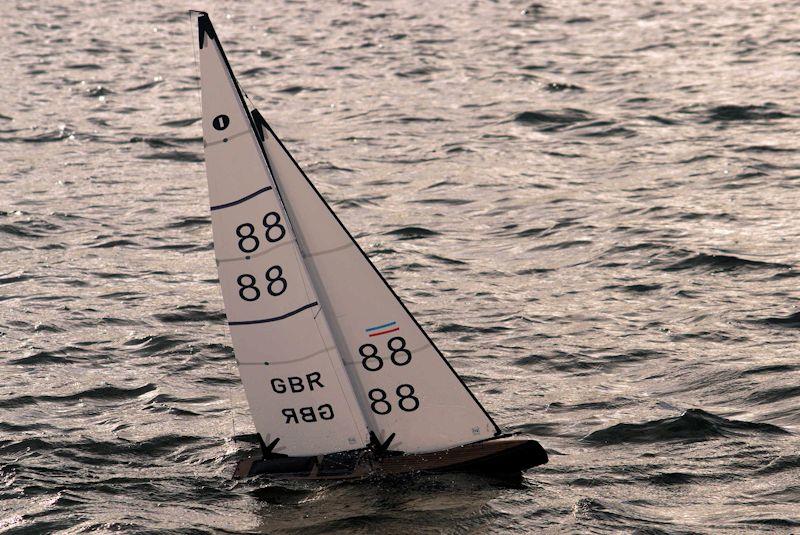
[(225, 139), (326, 251), (276, 318), (251, 257), (243, 199), (299, 359)]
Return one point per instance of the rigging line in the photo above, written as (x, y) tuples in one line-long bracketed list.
[(247, 97)]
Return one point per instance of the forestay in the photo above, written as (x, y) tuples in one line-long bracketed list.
[(404, 384), (293, 374)]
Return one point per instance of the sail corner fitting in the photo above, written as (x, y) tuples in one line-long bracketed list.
[(260, 122), (204, 27), (267, 449)]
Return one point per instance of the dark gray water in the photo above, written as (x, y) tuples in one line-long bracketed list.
[(591, 205)]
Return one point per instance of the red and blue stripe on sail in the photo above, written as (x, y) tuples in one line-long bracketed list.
[(386, 328)]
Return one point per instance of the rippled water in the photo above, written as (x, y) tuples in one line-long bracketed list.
[(591, 205)]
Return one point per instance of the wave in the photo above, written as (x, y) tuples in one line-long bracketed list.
[(640, 288), (162, 444), (144, 86), (191, 221), (456, 328), (165, 141), (774, 395), (28, 229), (727, 113), (554, 119), (557, 87), (101, 392), (175, 155), (114, 243), (790, 321), (412, 233), (782, 463), (721, 262), (581, 364), (154, 344), (452, 201), (445, 260), (192, 313), (180, 123), (46, 357), (11, 279), (692, 425), (98, 91)]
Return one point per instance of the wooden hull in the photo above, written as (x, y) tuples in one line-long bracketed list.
[(502, 455)]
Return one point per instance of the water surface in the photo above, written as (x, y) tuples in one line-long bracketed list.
[(590, 205)]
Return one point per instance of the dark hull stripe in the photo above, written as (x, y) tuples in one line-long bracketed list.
[(243, 199), (276, 318)]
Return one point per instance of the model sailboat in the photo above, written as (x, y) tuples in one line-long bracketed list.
[(341, 379)]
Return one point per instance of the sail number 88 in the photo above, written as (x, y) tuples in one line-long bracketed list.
[(400, 356), (274, 231), (407, 401), (276, 284)]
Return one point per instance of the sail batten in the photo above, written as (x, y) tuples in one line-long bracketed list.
[(276, 318), (243, 199)]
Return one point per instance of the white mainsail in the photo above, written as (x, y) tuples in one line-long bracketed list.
[(295, 381), (405, 386)]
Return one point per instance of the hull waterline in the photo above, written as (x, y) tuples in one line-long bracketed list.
[(503, 455)]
